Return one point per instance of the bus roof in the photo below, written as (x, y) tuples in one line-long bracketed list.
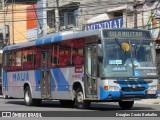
[(54, 37)]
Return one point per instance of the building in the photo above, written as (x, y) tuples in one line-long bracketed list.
[(18, 23), (148, 17), (81, 14), (18, 18)]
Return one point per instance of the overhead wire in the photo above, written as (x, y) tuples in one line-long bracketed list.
[(18, 20)]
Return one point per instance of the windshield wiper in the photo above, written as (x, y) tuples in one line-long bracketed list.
[(118, 42)]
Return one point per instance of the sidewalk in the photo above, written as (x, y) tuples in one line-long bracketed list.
[(149, 101)]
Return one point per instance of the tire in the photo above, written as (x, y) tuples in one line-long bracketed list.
[(126, 105), (80, 103), (5, 96), (28, 97), (67, 102), (29, 101)]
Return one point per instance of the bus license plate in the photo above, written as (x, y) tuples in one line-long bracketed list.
[(151, 92)]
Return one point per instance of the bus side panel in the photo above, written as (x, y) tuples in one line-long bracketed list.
[(36, 91), (63, 79), (5, 83), (16, 81)]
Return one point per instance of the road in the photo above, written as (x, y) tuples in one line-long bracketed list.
[(51, 107), (11, 104)]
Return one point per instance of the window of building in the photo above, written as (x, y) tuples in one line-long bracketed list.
[(69, 17), (118, 14), (50, 20)]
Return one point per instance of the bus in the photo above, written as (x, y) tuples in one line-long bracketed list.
[(80, 67)]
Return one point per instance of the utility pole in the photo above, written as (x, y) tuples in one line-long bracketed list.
[(135, 15), (57, 16), (4, 19), (12, 22)]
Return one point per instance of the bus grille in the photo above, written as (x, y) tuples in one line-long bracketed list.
[(127, 89)]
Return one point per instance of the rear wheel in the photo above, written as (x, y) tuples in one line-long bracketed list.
[(126, 105), (28, 97), (79, 101), (29, 101), (5, 96)]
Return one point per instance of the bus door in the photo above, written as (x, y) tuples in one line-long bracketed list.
[(90, 71), (45, 74)]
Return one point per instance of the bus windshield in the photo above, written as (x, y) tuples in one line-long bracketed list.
[(128, 58)]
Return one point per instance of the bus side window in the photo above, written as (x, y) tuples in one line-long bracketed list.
[(37, 58), (78, 57), (30, 59), (54, 56), (18, 59), (64, 57), (27, 59), (7, 60)]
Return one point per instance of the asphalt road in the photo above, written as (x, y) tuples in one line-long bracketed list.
[(54, 108), (18, 105)]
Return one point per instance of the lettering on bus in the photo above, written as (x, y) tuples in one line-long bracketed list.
[(118, 34), (21, 76)]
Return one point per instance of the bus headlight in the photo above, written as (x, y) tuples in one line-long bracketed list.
[(113, 88), (153, 87)]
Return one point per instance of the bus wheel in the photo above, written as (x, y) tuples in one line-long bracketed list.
[(5, 96), (28, 97), (125, 105), (67, 102), (79, 100)]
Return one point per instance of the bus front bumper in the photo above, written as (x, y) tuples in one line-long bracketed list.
[(121, 95)]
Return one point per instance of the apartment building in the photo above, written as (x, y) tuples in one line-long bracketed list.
[(64, 15), (148, 17), (19, 19)]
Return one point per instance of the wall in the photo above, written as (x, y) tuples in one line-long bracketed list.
[(22, 22), (147, 18), (19, 23), (90, 8)]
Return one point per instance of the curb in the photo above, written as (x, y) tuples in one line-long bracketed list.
[(155, 101)]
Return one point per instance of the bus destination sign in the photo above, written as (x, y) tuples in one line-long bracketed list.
[(125, 34)]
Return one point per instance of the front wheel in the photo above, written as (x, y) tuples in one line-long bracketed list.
[(79, 100), (126, 105)]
